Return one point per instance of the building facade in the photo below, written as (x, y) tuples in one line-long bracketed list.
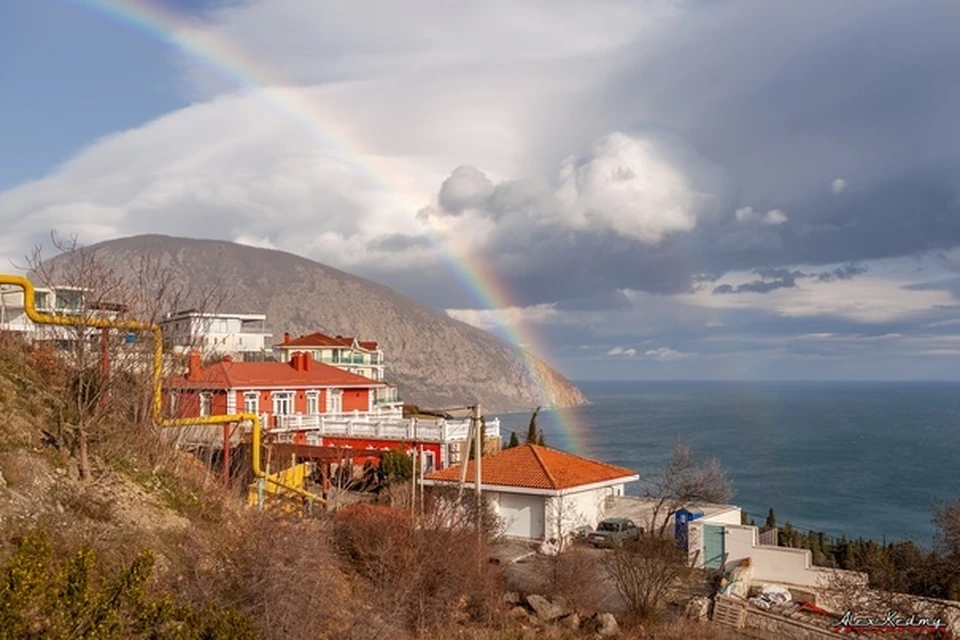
[(304, 402), (362, 357), (55, 300), (241, 335)]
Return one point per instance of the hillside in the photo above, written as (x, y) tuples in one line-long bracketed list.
[(435, 360)]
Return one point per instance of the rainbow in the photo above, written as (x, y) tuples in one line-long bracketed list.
[(190, 38)]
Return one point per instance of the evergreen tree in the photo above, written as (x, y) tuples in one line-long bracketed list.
[(771, 522), (540, 440), (532, 428), (514, 441)]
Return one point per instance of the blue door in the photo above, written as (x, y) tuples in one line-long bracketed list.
[(712, 546)]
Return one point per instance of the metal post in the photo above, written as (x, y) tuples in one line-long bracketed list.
[(260, 493), (478, 429), (226, 456)]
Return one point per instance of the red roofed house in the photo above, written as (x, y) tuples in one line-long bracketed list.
[(309, 403), (540, 492)]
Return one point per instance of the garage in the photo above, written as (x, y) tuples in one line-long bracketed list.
[(523, 515)]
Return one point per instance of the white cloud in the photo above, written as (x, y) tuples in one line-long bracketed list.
[(488, 319), (838, 186), (774, 217), (620, 351), (663, 354)]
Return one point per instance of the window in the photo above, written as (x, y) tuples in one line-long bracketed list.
[(313, 403), (283, 403), (205, 399), (251, 402), (335, 401)]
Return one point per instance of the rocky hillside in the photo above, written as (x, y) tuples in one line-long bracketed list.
[(435, 360)]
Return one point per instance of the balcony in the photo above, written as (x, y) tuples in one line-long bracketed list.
[(377, 425), (384, 401)]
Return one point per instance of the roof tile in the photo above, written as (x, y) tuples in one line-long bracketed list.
[(535, 467)]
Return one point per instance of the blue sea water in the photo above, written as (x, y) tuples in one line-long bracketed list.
[(855, 458)]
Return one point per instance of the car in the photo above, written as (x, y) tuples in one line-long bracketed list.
[(614, 531)]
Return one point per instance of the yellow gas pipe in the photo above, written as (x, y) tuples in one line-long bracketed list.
[(134, 325)]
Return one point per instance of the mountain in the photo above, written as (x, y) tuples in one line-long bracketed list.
[(435, 361)]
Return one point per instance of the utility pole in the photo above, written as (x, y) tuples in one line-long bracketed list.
[(464, 459), (478, 430)]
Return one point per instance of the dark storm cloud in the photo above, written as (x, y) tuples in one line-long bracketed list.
[(857, 92), (770, 280)]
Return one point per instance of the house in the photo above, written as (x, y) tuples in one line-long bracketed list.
[(241, 335), (315, 406), (540, 492), (362, 357), (54, 300)]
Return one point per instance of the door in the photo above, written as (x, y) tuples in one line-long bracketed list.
[(713, 547), (522, 515), (335, 401)]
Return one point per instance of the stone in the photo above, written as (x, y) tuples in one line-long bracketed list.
[(3, 481), (511, 597), (571, 621), (517, 613), (605, 625), (697, 608), (545, 610)]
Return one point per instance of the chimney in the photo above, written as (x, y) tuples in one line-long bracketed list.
[(307, 361), (286, 338), (299, 361), (194, 365)]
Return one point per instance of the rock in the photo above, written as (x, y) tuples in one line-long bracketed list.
[(604, 624), (59, 508), (697, 608), (511, 597), (545, 610), (3, 481), (517, 613), (571, 621)]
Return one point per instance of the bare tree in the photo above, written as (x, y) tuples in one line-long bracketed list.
[(563, 517), (646, 573), (682, 482), (109, 373)]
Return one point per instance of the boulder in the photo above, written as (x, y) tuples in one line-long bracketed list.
[(545, 610), (517, 613), (604, 624), (697, 608), (571, 621)]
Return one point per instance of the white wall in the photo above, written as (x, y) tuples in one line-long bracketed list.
[(573, 510), (770, 564), (730, 516)]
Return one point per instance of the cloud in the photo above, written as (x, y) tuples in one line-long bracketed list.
[(770, 280), (663, 354), (842, 273), (773, 218), (838, 186), (620, 351)]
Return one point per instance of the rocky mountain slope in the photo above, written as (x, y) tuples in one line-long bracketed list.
[(435, 361)]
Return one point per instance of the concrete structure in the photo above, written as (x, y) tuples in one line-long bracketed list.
[(640, 510), (241, 335), (303, 402), (362, 357), (542, 493), (712, 542)]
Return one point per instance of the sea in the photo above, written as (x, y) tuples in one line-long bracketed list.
[(860, 459)]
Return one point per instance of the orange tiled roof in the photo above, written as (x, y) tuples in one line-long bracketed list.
[(318, 339), (534, 467), (233, 375)]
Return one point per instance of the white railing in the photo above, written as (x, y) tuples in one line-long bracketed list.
[(376, 425)]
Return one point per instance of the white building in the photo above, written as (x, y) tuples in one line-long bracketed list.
[(241, 335), (362, 357), (542, 493), (55, 300)]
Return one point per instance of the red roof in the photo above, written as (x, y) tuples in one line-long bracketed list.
[(323, 340), (534, 467), (234, 375)]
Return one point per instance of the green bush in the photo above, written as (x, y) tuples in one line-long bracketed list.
[(42, 596)]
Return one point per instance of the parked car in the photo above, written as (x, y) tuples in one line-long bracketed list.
[(614, 531)]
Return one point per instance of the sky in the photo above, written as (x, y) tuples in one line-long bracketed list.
[(668, 189)]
